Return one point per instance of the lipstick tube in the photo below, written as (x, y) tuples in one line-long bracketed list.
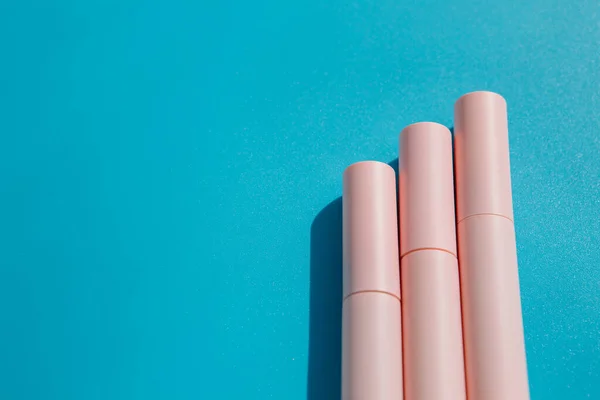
[(371, 320), (431, 312), (495, 361)]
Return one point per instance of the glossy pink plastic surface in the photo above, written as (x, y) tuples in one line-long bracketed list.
[(481, 156), (494, 343), (426, 189), (371, 317), (371, 347), (493, 327), (432, 331), (431, 311)]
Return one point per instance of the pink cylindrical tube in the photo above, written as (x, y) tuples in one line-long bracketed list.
[(431, 312), (495, 361), (371, 319)]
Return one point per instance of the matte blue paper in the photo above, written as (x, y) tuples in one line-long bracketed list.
[(169, 171)]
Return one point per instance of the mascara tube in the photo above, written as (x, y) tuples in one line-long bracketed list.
[(431, 312), (495, 361), (371, 320)]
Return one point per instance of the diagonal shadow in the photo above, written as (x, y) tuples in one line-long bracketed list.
[(325, 351)]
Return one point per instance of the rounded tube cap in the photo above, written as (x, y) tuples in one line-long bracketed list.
[(426, 189), (481, 156), (370, 233)]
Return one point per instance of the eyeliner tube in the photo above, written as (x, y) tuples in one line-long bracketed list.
[(431, 312), (371, 320), (495, 360)]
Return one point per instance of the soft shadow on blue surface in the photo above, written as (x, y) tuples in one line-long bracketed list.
[(324, 359), (394, 164)]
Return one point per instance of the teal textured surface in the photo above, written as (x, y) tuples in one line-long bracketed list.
[(162, 164)]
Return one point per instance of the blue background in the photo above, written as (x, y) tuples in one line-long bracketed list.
[(162, 163)]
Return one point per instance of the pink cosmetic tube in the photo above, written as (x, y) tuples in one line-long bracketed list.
[(371, 319), (496, 368), (431, 312)]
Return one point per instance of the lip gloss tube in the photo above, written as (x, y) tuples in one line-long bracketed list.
[(371, 320), (431, 312), (496, 366)]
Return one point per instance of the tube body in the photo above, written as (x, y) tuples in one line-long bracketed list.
[(371, 316), (431, 310), (495, 360)]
